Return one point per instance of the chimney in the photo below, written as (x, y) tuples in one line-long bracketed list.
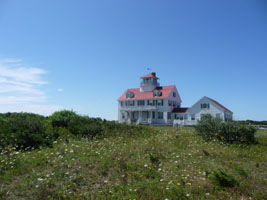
[(153, 74)]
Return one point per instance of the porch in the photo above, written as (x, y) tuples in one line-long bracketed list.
[(138, 117)]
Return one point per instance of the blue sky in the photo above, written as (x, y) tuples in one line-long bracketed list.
[(83, 54)]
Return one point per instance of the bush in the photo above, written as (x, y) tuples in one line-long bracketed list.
[(213, 128), (75, 124), (24, 130), (208, 127), (223, 179), (62, 118), (85, 126)]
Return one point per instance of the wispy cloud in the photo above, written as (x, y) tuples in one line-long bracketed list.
[(60, 90), (21, 88)]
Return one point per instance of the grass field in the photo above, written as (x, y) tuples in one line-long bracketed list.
[(168, 163)]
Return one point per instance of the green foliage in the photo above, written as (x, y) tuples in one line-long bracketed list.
[(213, 128), (85, 126), (222, 179), (23, 130), (242, 172), (208, 127), (62, 118), (75, 124)]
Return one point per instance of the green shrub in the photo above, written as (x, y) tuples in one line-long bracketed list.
[(236, 133), (62, 118), (223, 179), (24, 130), (213, 128), (208, 127), (85, 126), (75, 124)]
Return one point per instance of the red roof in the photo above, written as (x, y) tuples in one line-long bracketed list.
[(152, 75), (138, 95), (216, 102), (180, 110)]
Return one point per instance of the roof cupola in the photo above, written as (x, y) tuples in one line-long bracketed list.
[(149, 82)]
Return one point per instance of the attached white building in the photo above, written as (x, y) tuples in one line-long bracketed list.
[(206, 105), (155, 104)]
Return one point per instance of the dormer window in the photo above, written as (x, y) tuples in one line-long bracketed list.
[(157, 93), (129, 95), (174, 94)]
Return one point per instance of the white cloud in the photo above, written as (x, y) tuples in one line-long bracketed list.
[(21, 88), (42, 109), (60, 90)]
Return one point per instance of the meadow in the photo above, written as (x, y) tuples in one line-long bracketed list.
[(149, 163)]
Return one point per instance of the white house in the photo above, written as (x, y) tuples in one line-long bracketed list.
[(206, 105), (155, 104)]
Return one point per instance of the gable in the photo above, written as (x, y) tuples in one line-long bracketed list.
[(220, 105), (211, 103), (177, 95)]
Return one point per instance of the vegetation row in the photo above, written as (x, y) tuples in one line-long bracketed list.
[(26, 130)]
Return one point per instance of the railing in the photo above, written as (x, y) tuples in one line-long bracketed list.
[(144, 121), (177, 122), (149, 83), (137, 108)]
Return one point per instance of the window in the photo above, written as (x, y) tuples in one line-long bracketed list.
[(192, 117), (150, 102), (205, 106), (218, 115), (157, 93), (160, 115), (185, 117), (174, 103), (170, 102), (121, 103), (169, 115), (141, 102), (174, 94), (129, 103), (129, 95), (153, 115)]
